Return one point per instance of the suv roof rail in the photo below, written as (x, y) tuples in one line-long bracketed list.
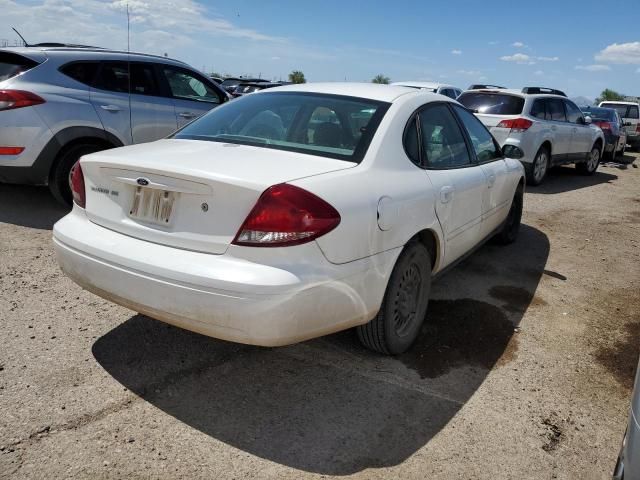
[(551, 91), (62, 45), (478, 86)]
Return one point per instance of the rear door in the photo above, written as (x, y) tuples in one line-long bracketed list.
[(496, 198), (459, 183), (192, 94), (562, 130), (110, 98)]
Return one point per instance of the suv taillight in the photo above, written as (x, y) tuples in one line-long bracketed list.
[(518, 124), (77, 185), (286, 215), (10, 99), (638, 128)]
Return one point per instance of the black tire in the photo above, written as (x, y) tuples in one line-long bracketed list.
[(511, 226), (537, 171), (590, 166), (59, 176), (397, 324)]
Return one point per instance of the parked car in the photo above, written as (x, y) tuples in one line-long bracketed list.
[(274, 228), (216, 80), (231, 83), (630, 114), (441, 88), (628, 465), (548, 128), (612, 126), (252, 87), (59, 103), (480, 86)]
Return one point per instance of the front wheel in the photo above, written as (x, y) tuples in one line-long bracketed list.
[(591, 165), (511, 226), (404, 306)]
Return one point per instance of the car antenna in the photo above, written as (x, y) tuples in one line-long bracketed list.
[(21, 37), (129, 70)]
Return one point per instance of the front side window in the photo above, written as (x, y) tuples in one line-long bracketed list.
[(483, 143), (573, 113), (443, 144), (555, 110), (317, 124), (187, 86)]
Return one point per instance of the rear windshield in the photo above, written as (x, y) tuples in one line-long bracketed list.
[(331, 126), (230, 82), (600, 113), (492, 103), (12, 64), (625, 111)]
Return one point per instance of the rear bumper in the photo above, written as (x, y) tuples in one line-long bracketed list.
[(633, 140), (222, 296)]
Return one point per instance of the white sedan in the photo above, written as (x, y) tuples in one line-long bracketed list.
[(293, 213)]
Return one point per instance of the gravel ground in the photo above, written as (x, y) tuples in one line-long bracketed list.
[(523, 370)]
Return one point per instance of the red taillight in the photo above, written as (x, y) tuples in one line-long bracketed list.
[(520, 124), (11, 150), (603, 125), (286, 215), (77, 185), (638, 128), (10, 99)]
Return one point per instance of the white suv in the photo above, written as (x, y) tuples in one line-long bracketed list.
[(540, 126), (630, 114)]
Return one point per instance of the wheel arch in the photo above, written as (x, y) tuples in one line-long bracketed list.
[(430, 239)]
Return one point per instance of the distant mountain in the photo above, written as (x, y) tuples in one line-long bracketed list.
[(582, 101)]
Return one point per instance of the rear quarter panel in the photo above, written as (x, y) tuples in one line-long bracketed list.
[(386, 174)]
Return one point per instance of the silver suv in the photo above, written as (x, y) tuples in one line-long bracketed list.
[(59, 102), (540, 126)]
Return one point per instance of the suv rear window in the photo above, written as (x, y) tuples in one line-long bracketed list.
[(492, 103), (12, 64), (625, 111), (325, 125)]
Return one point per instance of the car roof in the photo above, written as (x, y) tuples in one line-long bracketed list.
[(371, 91), (87, 53), (512, 91), (413, 84), (618, 102)]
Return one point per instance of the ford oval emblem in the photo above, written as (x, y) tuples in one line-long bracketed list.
[(142, 181)]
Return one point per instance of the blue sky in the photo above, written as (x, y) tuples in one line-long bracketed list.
[(567, 44)]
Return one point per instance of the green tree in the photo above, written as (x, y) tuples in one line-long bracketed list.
[(381, 79), (297, 77), (609, 95)]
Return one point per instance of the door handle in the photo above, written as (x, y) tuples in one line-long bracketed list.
[(186, 114), (446, 194), (110, 108), (554, 128), (491, 180)]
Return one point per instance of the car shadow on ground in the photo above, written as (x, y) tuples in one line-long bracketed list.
[(567, 178), (329, 406), (29, 206)]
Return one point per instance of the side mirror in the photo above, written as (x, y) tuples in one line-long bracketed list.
[(511, 151), (587, 120)]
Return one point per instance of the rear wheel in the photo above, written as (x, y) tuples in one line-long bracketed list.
[(591, 165), (404, 306), (537, 170), (511, 227), (59, 179)]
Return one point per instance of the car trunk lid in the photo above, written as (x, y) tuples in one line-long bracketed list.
[(186, 193)]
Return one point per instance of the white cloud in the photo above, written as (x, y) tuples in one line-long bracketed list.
[(518, 58), (621, 53), (539, 73), (594, 68), (517, 44), (469, 72), (548, 59), (456, 52), (494, 43)]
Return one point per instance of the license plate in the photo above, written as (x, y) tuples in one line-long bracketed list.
[(152, 205)]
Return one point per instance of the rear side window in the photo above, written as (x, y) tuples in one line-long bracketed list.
[(482, 141), (492, 103), (538, 109), (83, 72), (555, 110), (633, 112), (12, 64), (442, 141), (114, 76)]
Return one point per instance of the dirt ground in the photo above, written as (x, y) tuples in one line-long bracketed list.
[(523, 370)]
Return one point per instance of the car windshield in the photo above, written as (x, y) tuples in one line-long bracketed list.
[(600, 113), (230, 82), (492, 103), (317, 124)]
